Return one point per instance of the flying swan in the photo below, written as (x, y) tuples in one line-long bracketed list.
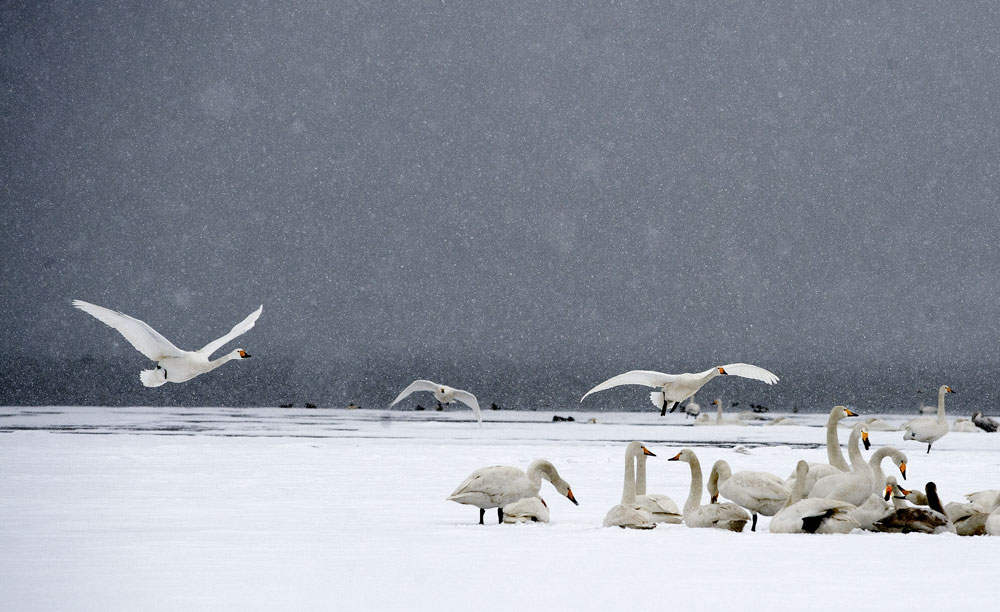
[(172, 364), (443, 394), (675, 388)]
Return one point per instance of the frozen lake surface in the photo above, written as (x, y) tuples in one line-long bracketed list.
[(295, 509)]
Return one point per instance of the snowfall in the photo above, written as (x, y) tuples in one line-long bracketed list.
[(310, 509)]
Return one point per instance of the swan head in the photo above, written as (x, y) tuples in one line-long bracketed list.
[(684, 455), (947, 389), (723, 371), (646, 451), (243, 354), (563, 487), (902, 469)]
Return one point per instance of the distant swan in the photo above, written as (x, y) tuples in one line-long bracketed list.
[(675, 388), (628, 514), (499, 485), (662, 507), (172, 364), (929, 429), (443, 394), (812, 515), (724, 420), (758, 492), (725, 515)]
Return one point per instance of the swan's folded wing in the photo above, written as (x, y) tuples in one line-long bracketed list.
[(633, 377), (238, 330), (417, 385), (144, 338), (470, 400), (747, 370)]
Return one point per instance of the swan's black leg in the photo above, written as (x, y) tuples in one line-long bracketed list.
[(500, 514), (753, 527), (482, 513), (440, 407), (929, 448), (165, 377)]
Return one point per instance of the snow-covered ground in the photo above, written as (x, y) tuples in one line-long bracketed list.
[(294, 509)]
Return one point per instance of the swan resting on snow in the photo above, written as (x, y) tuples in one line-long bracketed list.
[(675, 388), (814, 514), (443, 394), (172, 364), (629, 514), (725, 515), (526, 510), (499, 485), (855, 486), (661, 507), (919, 520), (929, 429)]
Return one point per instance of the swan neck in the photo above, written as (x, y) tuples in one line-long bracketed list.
[(799, 490), (875, 463), (940, 410), (628, 488), (694, 494), (834, 454), (221, 360), (640, 474), (933, 501), (540, 468), (718, 413)]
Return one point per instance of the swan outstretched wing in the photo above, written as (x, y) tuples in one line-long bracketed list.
[(239, 329), (144, 338), (417, 385), (634, 377), (750, 371), (469, 400)]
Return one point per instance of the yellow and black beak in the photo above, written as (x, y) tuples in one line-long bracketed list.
[(864, 438), (888, 492), (950, 390), (849, 412), (715, 498), (723, 371), (244, 354), (646, 451), (676, 457), (902, 469), (569, 495), (904, 491)]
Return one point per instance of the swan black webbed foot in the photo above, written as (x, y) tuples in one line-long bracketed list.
[(500, 514), (753, 526), (482, 513)]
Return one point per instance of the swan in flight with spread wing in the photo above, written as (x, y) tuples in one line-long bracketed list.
[(172, 364), (675, 388), (443, 394)]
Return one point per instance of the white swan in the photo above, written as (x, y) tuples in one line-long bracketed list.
[(812, 515), (526, 510), (835, 457), (726, 515), (443, 394), (758, 492), (724, 420), (628, 514), (993, 523), (855, 486), (965, 426), (498, 485), (875, 463), (919, 520), (663, 509), (877, 424), (988, 499), (675, 388), (929, 429), (691, 408), (876, 507), (172, 364)]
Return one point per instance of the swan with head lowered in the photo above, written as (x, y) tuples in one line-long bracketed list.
[(855, 486), (526, 510), (499, 485), (814, 514), (629, 514), (675, 388), (758, 492), (661, 507), (724, 515), (929, 429), (443, 394), (172, 364)]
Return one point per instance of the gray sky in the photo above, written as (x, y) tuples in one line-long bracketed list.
[(582, 188)]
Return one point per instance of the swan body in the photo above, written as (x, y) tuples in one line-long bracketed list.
[(965, 426), (987, 500), (661, 507), (984, 422), (691, 408), (993, 523), (812, 515), (443, 394), (929, 429), (919, 520), (725, 515), (675, 388), (968, 518), (834, 456), (758, 492), (703, 419), (526, 510), (629, 514), (781, 420), (852, 487), (172, 364), (499, 485), (877, 424)]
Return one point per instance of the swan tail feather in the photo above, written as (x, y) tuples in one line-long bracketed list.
[(152, 378)]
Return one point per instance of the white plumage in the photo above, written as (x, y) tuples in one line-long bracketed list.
[(443, 394)]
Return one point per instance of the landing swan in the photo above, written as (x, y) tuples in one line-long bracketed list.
[(172, 364), (499, 485), (812, 515), (758, 492), (855, 486), (929, 429), (920, 520), (629, 514), (726, 515), (675, 388), (443, 394), (663, 509), (526, 510)]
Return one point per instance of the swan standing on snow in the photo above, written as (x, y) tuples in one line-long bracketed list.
[(663, 509), (675, 388), (443, 394), (929, 429), (726, 515), (758, 492), (172, 364), (919, 520), (855, 486), (812, 515), (629, 514), (526, 510), (499, 485)]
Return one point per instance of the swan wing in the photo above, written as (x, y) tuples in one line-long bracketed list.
[(747, 370), (634, 377), (469, 400), (413, 387), (238, 330), (144, 338)]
